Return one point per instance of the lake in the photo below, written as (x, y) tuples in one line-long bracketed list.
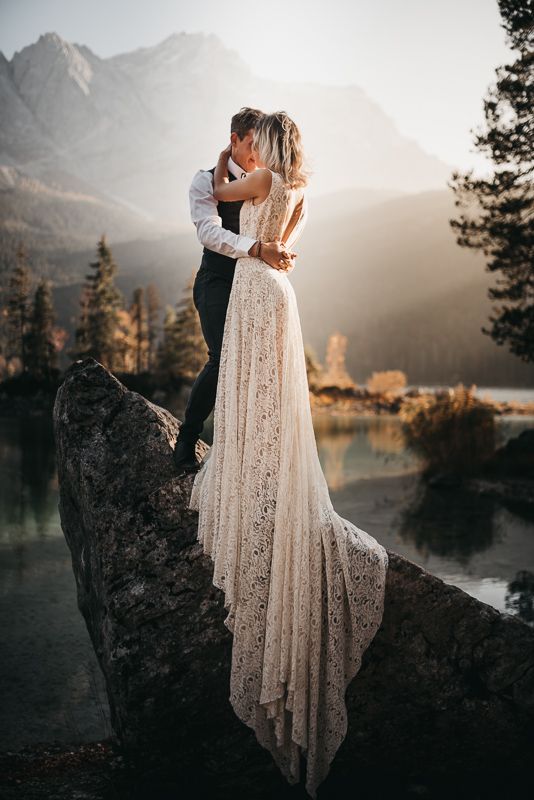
[(53, 688)]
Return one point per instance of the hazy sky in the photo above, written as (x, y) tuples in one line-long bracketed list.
[(427, 63)]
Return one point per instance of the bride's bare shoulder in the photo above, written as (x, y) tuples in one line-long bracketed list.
[(261, 179)]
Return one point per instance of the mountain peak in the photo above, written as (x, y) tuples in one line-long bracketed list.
[(51, 37), (52, 42), (52, 58), (50, 46)]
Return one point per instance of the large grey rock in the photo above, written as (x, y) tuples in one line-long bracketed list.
[(446, 687)]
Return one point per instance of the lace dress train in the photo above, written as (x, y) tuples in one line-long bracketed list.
[(304, 588)]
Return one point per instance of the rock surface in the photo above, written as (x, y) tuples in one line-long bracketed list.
[(447, 686)]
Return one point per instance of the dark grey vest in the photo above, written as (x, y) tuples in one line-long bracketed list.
[(229, 214)]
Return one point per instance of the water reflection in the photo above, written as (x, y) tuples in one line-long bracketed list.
[(520, 595), (352, 448), (28, 489), (452, 524), (54, 688), (467, 529)]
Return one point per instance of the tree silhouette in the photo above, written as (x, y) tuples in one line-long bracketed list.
[(18, 306), (138, 314), (40, 347), (168, 346), (153, 305), (182, 351), (502, 206), (100, 304), (191, 352)]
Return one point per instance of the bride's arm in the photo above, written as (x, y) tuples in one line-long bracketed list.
[(256, 184), (297, 229)]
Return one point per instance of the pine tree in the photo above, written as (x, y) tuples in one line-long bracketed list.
[(503, 205), (6, 265), (168, 346), (83, 345), (18, 306), (182, 351), (41, 349), (190, 352), (125, 343), (100, 304), (153, 306), (138, 315)]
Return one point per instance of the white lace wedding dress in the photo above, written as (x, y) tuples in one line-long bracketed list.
[(304, 588)]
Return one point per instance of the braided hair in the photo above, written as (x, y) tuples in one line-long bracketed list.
[(278, 142)]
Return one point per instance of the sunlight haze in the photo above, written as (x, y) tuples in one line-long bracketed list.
[(427, 65)]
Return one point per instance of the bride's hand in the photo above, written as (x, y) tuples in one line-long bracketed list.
[(277, 256), (288, 260), (227, 151)]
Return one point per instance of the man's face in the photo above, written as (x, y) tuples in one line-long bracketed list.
[(242, 150)]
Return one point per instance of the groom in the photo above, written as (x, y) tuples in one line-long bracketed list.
[(217, 225)]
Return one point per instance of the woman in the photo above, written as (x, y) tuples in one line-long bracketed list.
[(304, 588)]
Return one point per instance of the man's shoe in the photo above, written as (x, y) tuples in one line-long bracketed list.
[(184, 456)]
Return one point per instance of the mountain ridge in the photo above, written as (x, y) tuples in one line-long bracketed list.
[(137, 125)]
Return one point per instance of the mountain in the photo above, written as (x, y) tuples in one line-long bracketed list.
[(91, 145), (138, 125)]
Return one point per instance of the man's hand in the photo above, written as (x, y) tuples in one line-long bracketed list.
[(277, 256)]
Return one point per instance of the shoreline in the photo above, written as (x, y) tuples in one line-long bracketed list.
[(368, 405), (331, 402)]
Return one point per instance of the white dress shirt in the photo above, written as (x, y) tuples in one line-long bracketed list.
[(208, 223)]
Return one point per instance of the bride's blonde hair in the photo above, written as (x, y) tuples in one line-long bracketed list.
[(278, 142)]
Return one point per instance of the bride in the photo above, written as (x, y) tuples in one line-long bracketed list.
[(304, 588)]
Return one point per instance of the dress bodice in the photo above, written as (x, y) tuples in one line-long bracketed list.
[(267, 220)]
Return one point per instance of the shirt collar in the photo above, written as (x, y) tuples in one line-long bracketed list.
[(235, 169)]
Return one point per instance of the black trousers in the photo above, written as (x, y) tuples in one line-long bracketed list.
[(211, 293)]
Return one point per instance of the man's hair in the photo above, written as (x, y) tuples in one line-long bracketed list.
[(244, 120)]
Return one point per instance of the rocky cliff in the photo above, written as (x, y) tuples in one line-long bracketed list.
[(446, 688)]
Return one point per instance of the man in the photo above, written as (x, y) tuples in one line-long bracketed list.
[(217, 225)]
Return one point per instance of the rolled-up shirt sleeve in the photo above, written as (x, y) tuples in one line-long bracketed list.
[(206, 219)]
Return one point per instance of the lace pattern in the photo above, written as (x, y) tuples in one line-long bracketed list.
[(304, 588)]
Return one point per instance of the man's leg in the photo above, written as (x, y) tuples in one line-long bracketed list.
[(211, 294)]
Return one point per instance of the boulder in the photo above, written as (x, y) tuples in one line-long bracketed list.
[(446, 687)]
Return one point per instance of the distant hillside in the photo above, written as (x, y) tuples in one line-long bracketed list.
[(51, 218), (393, 280), (390, 277)]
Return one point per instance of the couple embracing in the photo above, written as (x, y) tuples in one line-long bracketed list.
[(304, 588)]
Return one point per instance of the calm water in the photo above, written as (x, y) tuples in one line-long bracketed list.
[(53, 688)]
